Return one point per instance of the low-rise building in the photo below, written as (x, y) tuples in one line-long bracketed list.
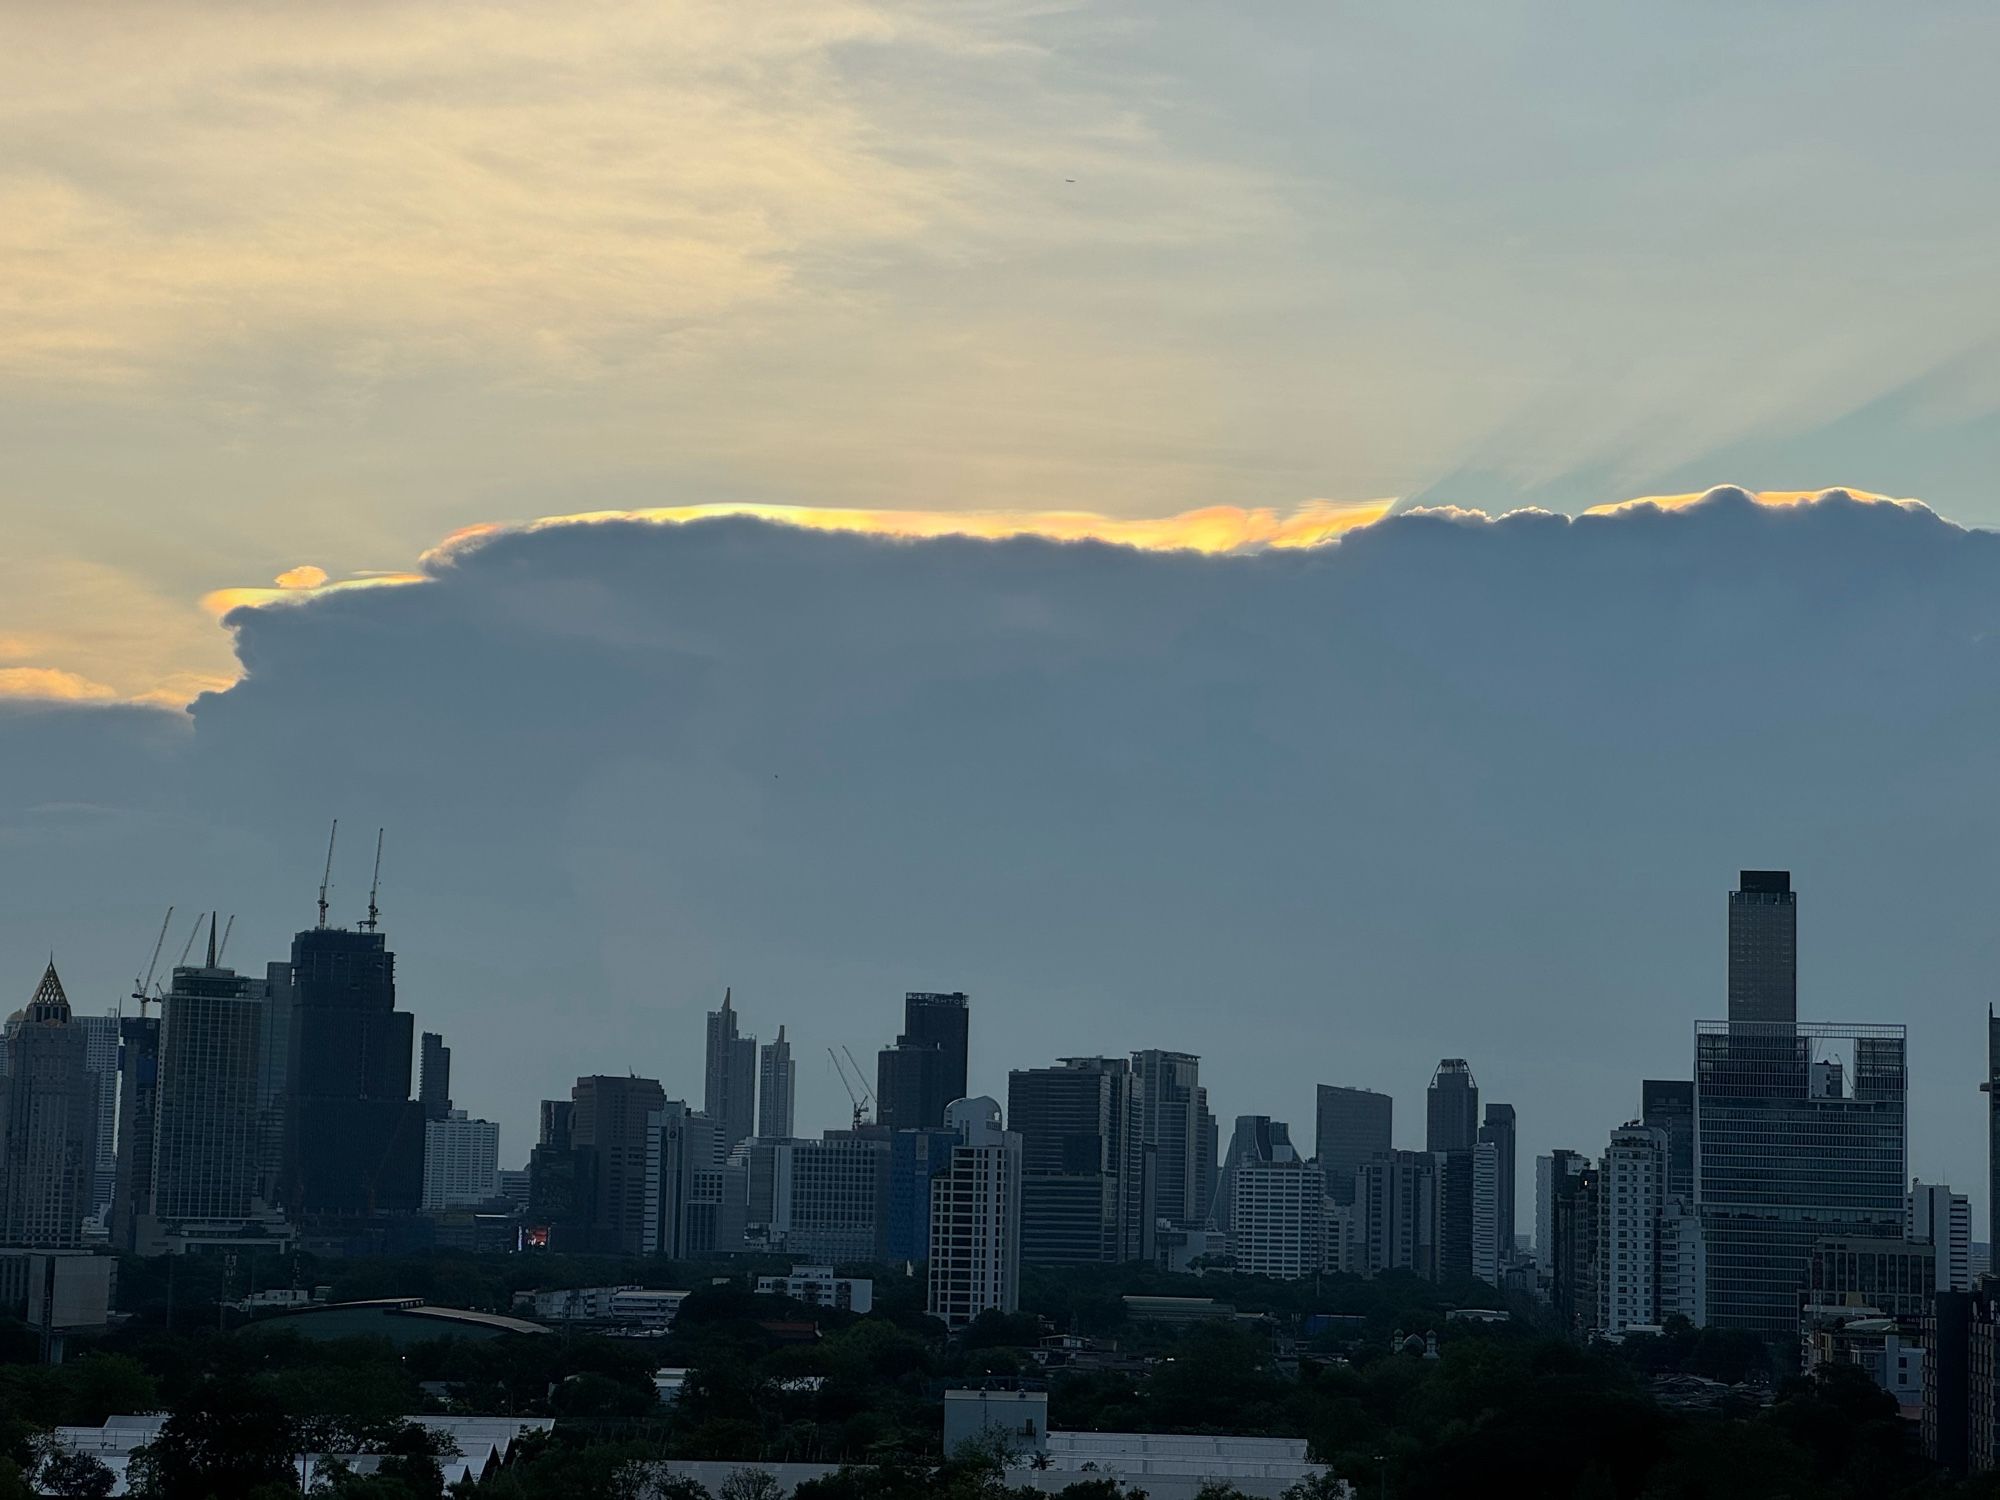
[(608, 1306), (817, 1286)]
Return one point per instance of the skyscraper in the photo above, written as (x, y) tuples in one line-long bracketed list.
[(207, 1140), (1277, 1217), (101, 1061), (1991, 1089), (1170, 1120), (461, 1161), (1788, 1151), (926, 1069), (1763, 948), (1353, 1129), (1487, 1256), (608, 1130), (975, 1228), (138, 1101), (1499, 1133), (777, 1084), (1452, 1108), (434, 1077), (1632, 1184), (354, 1143), (729, 1081), (1084, 1191), (48, 1124), (1397, 1195)]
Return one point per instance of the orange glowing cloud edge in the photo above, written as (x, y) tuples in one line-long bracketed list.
[(1215, 530)]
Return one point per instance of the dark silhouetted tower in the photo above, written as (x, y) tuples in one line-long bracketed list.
[(434, 1077), (1452, 1116), (926, 1069), (1764, 948), (729, 1080), (1353, 1129)]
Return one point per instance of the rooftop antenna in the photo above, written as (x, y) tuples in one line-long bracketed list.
[(374, 886), (211, 938), (327, 878), (140, 986)]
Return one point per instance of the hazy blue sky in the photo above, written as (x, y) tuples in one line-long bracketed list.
[(296, 294)]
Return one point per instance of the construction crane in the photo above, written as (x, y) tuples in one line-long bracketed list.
[(857, 1088), (188, 946), (327, 879), (227, 928), (141, 986), (374, 888)]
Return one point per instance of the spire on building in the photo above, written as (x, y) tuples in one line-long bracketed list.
[(50, 1003)]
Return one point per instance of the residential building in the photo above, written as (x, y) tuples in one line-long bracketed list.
[(1353, 1128), (1257, 1138), (1764, 948), (729, 1080), (681, 1177), (777, 1089), (1632, 1203), (1085, 1189), (1278, 1215), (1451, 1259), (1961, 1336), (1934, 1215), (1489, 1254), (49, 1101), (1573, 1260), (1789, 1152), (975, 1237), (461, 1161), (1451, 1121)]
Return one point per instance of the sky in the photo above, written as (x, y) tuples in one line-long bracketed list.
[(315, 320)]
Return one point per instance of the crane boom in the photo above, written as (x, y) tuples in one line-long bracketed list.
[(188, 946), (227, 928), (327, 878), (857, 1098), (141, 986), (375, 887)]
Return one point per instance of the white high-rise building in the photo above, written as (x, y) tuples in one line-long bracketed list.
[(461, 1161), (1632, 1184), (1934, 1215), (975, 1259), (1277, 1219), (777, 1087), (1683, 1266), (1488, 1254)]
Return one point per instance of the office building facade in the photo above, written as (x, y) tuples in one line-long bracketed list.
[(1451, 1108), (729, 1080), (1278, 1218), (1397, 1196), (1790, 1150), (839, 1197), (777, 1089), (207, 1117), (609, 1123), (1084, 1189), (434, 1076), (1764, 948), (354, 1138), (1667, 1105), (927, 1067), (1353, 1127), (1172, 1104), (49, 1106), (1500, 1131)]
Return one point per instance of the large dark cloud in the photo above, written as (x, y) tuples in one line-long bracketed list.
[(1452, 786)]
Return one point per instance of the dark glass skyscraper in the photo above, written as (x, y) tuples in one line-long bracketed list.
[(354, 1143), (1763, 948), (1668, 1104), (1991, 1088), (1084, 1190), (1353, 1129), (926, 1069), (1790, 1149), (1452, 1108), (1171, 1107), (434, 1077), (1499, 1132), (729, 1080)]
